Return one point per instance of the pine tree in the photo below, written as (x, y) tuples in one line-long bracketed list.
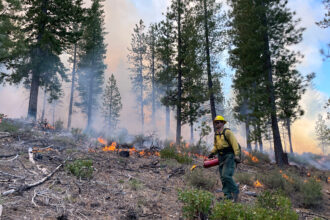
[(322, 133), (136, 59), (91, 65), (46, 34), (151, 57), (76, 26), (263, 30), (165, 77), (11, 40), (211, 20), (111, 104)]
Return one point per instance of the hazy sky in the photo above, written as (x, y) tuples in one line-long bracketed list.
[(120, 18)]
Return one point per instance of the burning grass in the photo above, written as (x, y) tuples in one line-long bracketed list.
[(255, 157), (304, 192)]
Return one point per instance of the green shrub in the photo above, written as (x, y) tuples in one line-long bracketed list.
[(171, 153), (262, 157), (195, 202), (269, 206), (59, 125), (272, 180), (244, 178), (311, 194), (78, 135), (8, 126), (135, 184), (81, 168), (168, 153), (279, 205), (199, 179)]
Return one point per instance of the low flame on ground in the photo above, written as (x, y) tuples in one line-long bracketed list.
[(257, 184), (193, 167), (102, 141), (112, 147), (286, 177), (253, 158), (37, 150)]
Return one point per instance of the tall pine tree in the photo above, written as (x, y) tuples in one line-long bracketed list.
[(91, 65), (137, 58)]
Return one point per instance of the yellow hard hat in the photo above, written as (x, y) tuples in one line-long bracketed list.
[(219, 118)]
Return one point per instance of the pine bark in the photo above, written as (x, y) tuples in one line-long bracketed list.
[(72, 85), (279, 157), (288, 125), (247, 133), (178, 114), (208, 64)]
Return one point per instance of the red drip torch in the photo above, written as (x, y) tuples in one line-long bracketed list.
[(211, 163)]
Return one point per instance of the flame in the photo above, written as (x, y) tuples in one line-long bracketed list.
[(329, 179), (253, 158), (102, 141), (286, 177), (257, 184), (308, 174), (193, 167), (37, 150), (132, 150), (305, 181), (187, 145), (112, 147)]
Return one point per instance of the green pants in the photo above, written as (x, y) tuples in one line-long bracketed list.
[(226, 169)]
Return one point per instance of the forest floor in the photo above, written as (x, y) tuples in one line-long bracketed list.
[(134, 187)]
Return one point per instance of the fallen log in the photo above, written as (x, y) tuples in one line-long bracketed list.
[(29, 186)]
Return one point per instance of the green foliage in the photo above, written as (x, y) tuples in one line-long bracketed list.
[(322, 133), (199, 179), (81, 168), (244, 178), (91, 65), (111, 104), (196, 202), (135, 184), (8, 126), (171, 153), (269, 206), (304, 193), (59, 125), (78, 135), (311, 194)]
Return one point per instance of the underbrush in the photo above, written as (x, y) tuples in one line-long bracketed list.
[(172, 153), (244, 178), (199, 179), (201, 204), (255, 158), (81, 168), (305, 193), (7, 126)]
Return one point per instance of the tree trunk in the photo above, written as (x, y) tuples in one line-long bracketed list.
[(44, 106), (288, 125), (90, 102), (247, 135), (72, 85), (208, 64), (167, 122), (178, 112), (33, 101), (141, 95), (54, 106), (283, 136), (260, 138), (153, 118), (270, 87), (191, 132)]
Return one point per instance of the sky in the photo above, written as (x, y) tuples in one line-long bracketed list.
[(120, 19)]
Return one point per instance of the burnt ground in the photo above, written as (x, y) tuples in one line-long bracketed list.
[(136, 187)]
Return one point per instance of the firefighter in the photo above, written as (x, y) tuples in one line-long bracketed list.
[(227, 149)]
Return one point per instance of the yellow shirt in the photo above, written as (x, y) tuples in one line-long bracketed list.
[(221, 143)]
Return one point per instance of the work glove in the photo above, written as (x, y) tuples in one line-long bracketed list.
[(211, 155), (237, 159)]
